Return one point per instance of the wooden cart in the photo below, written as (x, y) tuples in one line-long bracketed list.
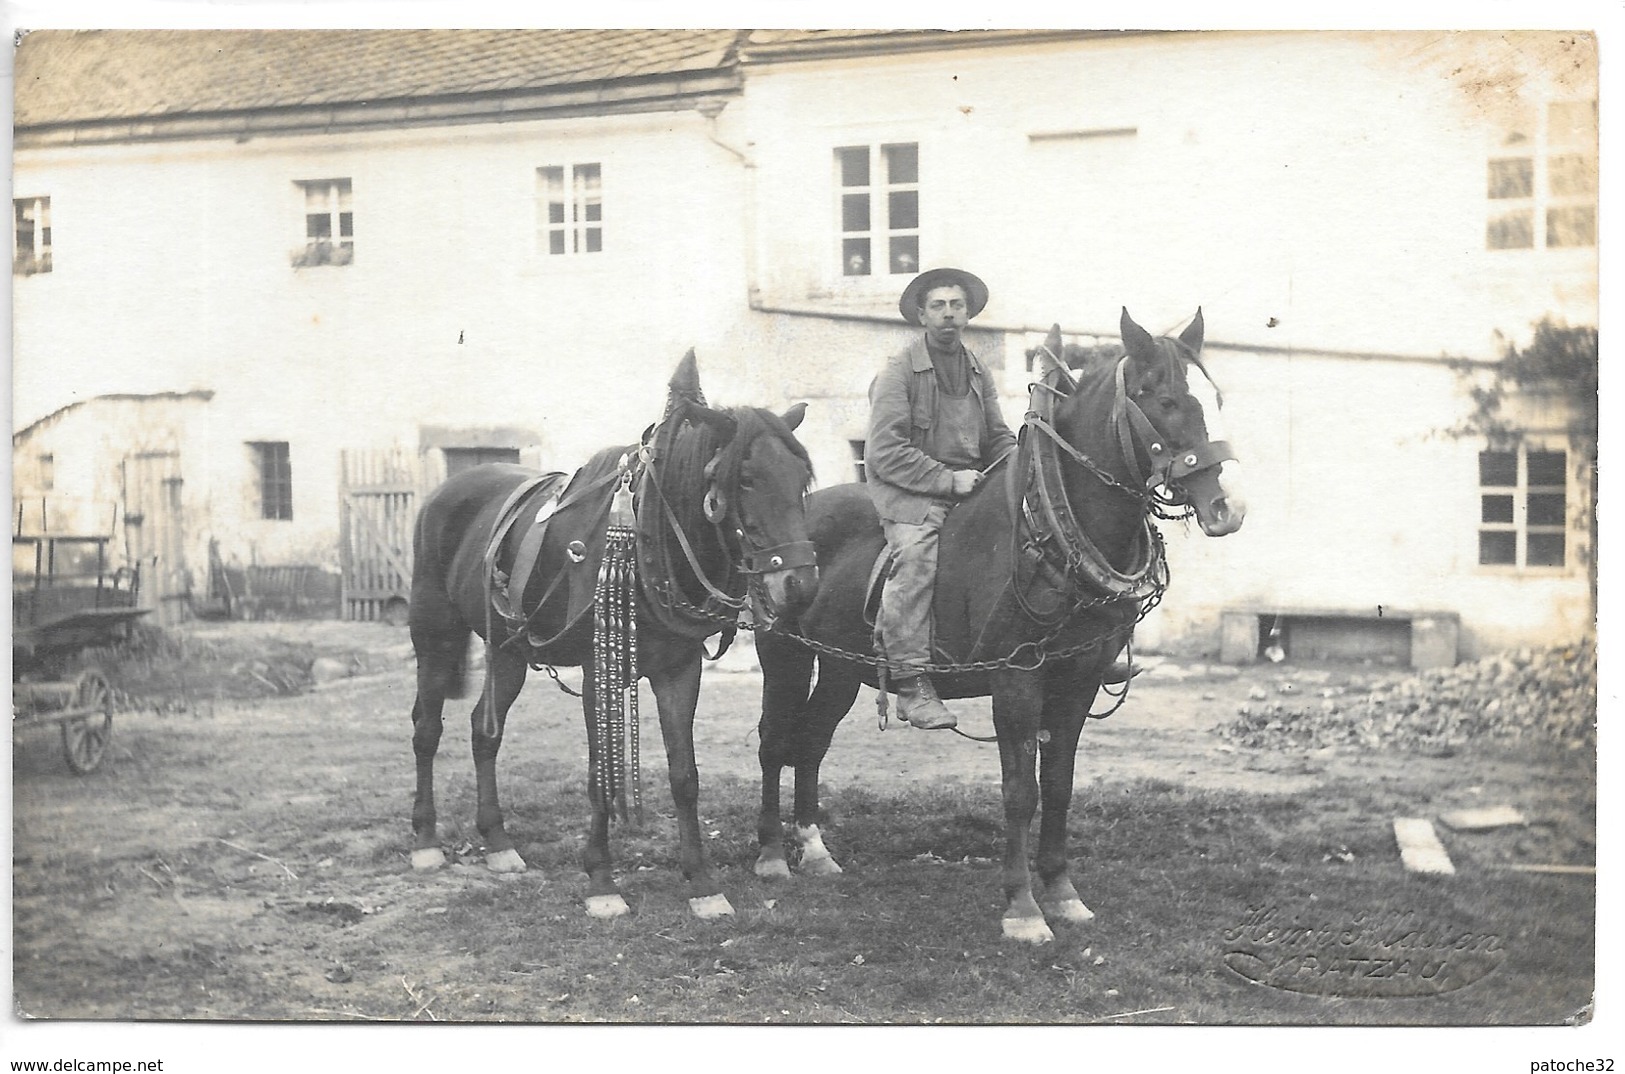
[(66, 600)]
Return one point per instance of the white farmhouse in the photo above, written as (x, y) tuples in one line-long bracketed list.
[(463, 245)]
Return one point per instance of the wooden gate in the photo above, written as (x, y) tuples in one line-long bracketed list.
[(379, 492), (154, 535)]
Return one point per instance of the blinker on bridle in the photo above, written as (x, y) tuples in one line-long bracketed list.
[(1167, 467), (717, 509)]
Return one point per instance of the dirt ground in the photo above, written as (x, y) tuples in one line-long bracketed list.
[(261, 830)]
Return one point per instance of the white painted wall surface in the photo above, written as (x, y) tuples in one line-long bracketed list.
[(1334, 183), (172, 271)]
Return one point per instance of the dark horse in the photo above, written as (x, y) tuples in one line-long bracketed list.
[(719, 523), (1043, 573)]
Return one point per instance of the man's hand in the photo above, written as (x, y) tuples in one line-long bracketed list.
[(965, 482)]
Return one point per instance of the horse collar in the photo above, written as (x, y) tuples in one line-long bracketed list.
[(1050, 517)]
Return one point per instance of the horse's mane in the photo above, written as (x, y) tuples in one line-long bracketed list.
[(753, 423), (694, 444), (1091, 363)]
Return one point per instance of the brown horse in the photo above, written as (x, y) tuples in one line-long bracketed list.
[(1043, 573), (718, 522)]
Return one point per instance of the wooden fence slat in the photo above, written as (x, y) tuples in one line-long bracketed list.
[(379, 493)]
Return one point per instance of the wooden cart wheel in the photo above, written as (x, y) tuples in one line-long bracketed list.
[(84, 740)]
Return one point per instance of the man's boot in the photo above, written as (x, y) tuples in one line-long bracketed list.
[(918, 703)]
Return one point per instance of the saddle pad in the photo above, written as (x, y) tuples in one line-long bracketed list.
[(505, 592)]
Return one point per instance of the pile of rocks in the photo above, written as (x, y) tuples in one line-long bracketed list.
[(1535, 695)]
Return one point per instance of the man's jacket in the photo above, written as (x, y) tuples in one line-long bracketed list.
[(903, 480)]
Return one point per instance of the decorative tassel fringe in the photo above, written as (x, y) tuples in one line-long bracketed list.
[(615, 664)]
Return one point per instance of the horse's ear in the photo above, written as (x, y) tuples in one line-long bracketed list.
[(1051, 352), (686, 380), (793, 416), (1192, 335), (1136, 340), (686, 402), (724, 423)]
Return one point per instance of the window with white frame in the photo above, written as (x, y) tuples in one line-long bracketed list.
[(878, 192), (570, 209), (274, 472), (30, 236), (1543, 179), (329, 224), (1523, 507)]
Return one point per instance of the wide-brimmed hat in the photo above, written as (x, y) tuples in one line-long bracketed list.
[(975, 291)]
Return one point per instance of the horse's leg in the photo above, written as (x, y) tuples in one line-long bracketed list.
[(677, 690), (1066, 704), (1017, 707), (604, 899), (831, 700), (441, 657), (505, 675), (786, 677)]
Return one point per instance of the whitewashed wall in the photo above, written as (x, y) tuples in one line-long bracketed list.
[(1332, 184), (172, 270)]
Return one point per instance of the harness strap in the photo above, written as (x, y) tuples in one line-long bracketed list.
[(524, 561), (1056, 513), (505, 520), (688, 552), (1132, 424), (780, 557)]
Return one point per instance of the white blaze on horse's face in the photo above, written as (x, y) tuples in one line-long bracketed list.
[(1203, 391), (1220, 509)]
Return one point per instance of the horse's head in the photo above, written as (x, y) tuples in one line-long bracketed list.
[(1171, 409), (756, 482)]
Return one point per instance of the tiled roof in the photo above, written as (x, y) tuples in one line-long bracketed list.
[(75, 76)]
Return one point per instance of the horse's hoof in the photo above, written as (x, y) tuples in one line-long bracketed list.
[(1072, 911), (772, 868), (822, 865), (815, 856), (505, 861), (1033, 930), (710, 907), (427, 859), (605, 907)]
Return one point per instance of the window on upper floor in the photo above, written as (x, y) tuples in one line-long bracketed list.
[(878, 208), (47, 472), (1523, 508), (275, 479), (30, 236), (570, 209), (329, 224), (1543, 180)]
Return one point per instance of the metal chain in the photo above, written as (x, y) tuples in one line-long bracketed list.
[(553, 673), (1041, 653)]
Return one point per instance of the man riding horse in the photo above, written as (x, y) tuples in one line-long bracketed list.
[(935, 429)]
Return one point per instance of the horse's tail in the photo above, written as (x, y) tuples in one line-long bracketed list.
[(439, 635)]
